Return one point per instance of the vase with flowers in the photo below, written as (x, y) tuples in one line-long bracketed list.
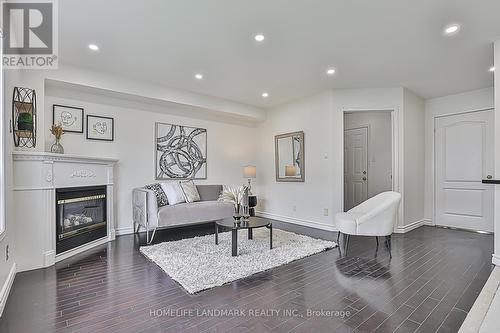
[(57, 132), (235, 195)]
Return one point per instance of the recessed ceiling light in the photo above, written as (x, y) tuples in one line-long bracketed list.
[(93, 47), (265, 95), (259, 38), (199, 76), (492, 69), (330, 71), (452, 29)]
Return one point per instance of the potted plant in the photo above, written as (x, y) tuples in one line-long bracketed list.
[(234, 195), (25, 121)]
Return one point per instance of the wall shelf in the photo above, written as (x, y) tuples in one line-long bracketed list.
[(23, 133), (24, 117)]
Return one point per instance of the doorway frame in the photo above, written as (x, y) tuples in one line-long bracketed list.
[(434, 159), (395, 144)]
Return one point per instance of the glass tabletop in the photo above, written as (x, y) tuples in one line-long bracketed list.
[(252, 222)]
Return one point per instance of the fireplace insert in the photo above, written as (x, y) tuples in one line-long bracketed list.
[(80, 216)]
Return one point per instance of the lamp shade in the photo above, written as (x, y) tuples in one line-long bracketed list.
[(290, 171), (249, 171)]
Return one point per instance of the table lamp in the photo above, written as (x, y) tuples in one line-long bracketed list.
[(249, 172)]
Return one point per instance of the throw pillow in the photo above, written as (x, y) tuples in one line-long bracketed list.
[(174, 192), (161, 198), (190, 191)]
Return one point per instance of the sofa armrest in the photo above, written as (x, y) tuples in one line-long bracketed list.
[(144, 208)]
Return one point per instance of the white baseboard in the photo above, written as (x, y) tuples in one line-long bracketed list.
[(112, 234), (294, 220), (4, 292), (429, 222), (49, 258), (410, 227), (124, 231), (495, 259)]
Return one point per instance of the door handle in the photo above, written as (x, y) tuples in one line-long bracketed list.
[(489, 177), (364, 178), (364, 172)]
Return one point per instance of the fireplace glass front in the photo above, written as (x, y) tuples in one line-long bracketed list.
[(81, 216)]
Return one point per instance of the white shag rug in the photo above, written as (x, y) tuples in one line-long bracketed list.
[(198, 264)]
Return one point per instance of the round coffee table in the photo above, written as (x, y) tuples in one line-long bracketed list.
[(250, 224)]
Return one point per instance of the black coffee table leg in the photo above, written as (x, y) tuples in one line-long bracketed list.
[(216, 234), (271, 236), (235, 242), (250, 233)]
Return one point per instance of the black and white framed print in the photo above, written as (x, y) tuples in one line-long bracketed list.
[(100, 128), (70, 118), (181, 152)]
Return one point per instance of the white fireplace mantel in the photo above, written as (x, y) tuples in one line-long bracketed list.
[(37, 175)]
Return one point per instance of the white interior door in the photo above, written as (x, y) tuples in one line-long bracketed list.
[(463, 157), (355, 167)]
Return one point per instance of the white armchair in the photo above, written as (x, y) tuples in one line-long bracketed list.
[(374, 217)]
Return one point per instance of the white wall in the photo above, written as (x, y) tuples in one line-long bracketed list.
[(230, 146), (7, 239), (468, 101), (413, 154), (129, 92), (277, 199), (379, 147), (321, 118)]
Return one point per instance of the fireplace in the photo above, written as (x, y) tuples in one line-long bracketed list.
[(81, 216)]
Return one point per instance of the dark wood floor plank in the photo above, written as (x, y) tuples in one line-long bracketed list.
[(428, 285), (453, 321)]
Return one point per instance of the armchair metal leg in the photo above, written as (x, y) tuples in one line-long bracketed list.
[(376, 237), (338, 236), (346, 243), (388, 244)]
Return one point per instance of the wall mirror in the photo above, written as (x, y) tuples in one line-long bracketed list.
[(289, 157)]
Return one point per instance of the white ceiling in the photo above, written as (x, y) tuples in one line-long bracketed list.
[(382, 43)]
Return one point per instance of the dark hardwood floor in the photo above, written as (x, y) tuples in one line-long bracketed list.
[(428, 285)]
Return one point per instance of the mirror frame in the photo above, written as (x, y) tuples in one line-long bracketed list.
[(276, 157)]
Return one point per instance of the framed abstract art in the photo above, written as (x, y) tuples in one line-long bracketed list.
[(70, 118), (181, 152), (100, 128)]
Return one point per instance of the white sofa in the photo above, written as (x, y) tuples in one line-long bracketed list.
[(376, 216), (148, 215)]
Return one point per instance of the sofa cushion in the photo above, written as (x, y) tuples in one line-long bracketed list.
[(190, 191), (161, 198), (196, 212), (209, 192), (173, 192)]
